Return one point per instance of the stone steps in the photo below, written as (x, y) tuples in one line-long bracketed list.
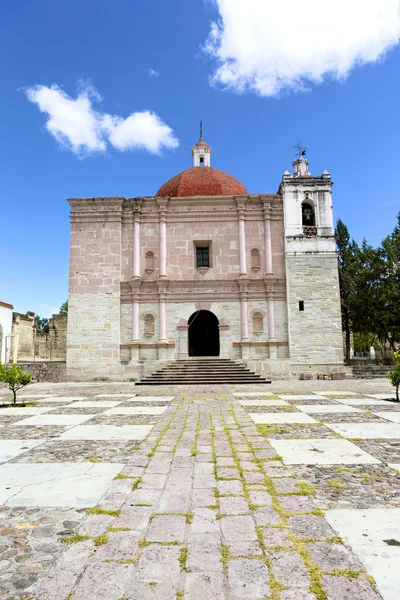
[(370, 371), (203, 371)]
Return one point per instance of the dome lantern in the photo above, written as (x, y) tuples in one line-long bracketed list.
[(201, 151)]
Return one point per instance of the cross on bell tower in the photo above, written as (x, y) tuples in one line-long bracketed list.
[(201, 151), (301, 163)]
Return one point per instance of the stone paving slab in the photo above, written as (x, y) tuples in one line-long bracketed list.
[(106, 432), (24, 410), (321, 452), (67, 484), (202, 506), (12, 448), (281, 418), (374, 536)]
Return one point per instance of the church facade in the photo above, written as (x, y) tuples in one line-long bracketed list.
[(204, 268)]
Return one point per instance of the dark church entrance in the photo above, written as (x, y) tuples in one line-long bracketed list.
[(203, 334)]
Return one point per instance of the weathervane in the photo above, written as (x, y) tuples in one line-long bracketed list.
[(300, 149), (201, 131)]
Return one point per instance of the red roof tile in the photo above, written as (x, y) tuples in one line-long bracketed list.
[(202, 181)]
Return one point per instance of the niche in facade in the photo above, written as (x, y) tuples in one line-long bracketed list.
[(149, 262), (149, 325), (255, 260), (258, 323)]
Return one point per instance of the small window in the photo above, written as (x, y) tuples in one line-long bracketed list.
[(202, 161), (202, 257), (301, 306)]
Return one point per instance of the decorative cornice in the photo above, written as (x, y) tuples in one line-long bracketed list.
[(203, 291)]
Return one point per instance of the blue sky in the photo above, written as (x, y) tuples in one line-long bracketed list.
[(254, 112)]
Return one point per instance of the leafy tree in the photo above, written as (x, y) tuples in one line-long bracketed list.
[(394, 376), (15, 377), (391, 284), (64, 308), (42, 325), (346, 249)]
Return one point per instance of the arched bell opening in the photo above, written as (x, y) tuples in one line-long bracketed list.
[(203, 339)]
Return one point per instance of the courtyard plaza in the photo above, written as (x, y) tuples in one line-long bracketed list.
[(289, 491)]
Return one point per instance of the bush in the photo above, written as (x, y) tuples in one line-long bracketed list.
[(15, 377), (394, 376)]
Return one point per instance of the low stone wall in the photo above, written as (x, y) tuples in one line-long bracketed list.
[(45, 371)]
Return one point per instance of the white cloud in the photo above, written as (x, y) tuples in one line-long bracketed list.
[(140, 130), (77, 126), (266, 46), (153, 73)]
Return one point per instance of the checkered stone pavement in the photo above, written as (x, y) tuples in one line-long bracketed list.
[(207, 492)]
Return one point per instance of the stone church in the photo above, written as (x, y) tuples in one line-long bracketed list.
[(203, 268)]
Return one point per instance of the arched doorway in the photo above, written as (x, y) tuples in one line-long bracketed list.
[(203, 334)]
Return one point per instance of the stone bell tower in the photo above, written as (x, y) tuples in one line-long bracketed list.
[(312, 278)]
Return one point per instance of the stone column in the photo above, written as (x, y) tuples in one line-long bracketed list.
[(162, 208), (135, 287), (162, 319), (270, 288), (136, 240), (241, 204), (267, 235), (244, 325)]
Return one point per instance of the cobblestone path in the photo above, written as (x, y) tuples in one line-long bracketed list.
[(204, 507)]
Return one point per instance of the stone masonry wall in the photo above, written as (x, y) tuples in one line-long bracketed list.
[(93, 346), (315, 335)]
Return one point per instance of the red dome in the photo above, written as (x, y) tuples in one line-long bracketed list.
[(202, 181)]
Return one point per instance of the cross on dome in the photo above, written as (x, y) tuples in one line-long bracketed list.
[(201, 151)]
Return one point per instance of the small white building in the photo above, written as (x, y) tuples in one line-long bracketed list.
[(6, 313)]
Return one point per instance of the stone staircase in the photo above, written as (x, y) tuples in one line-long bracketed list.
[(370, 371), (203, 371)]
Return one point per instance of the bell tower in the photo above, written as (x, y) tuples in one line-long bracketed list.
[(312, 278), (201, 151)]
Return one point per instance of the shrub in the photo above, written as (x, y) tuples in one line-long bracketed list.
[(394, 376), (15, 378)]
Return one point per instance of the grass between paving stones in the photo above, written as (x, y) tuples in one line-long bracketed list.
[(144, 543), (188, 515), (298, 545), (337, 485), (101, 539), (136, 484), (178, 439), (93, 459), (101, 511), (160, 437), (19, 405), (196, 437), (122, 476), (180, 595), (183, 556), (74, 539), (114, 529)]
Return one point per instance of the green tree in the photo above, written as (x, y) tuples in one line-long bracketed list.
[(42, 325), (15, 378), (394, 376), (347, 269), (64, 308), (391, 284)]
